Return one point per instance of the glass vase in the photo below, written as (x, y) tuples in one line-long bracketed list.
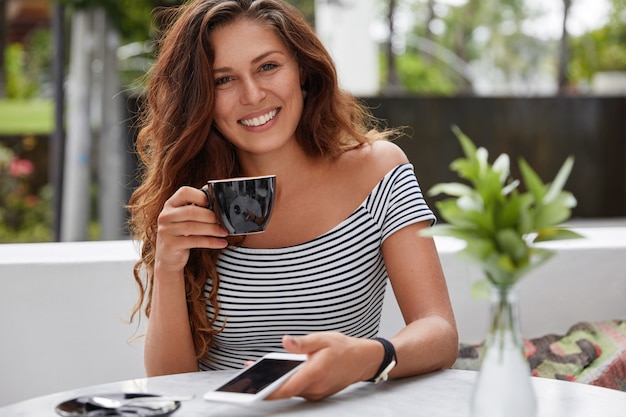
[(503, 387)]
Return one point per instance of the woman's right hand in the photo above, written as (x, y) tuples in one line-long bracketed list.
[(185, 222)]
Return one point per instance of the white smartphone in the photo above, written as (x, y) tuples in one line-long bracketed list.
[(258, 380)]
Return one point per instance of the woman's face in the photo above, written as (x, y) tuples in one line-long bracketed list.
[(258, 88)]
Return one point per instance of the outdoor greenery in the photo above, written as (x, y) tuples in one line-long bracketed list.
[(28, 66), (603, 49), (434, 56), (488, 37), (26, 116), (25, 214), (499, 222)]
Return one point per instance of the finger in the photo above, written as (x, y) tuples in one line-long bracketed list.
[(206, 242), (292, 387), (304, 382), (305, 344), (310, 382), (209, 204), (190, 220), (188, 195)]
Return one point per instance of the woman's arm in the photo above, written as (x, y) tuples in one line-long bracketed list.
[(183, 224), (169, 345), (430, 340)]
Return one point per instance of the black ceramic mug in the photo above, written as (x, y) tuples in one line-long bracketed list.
[(243, 205)]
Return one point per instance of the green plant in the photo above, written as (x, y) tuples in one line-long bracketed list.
[(18, 83), (499, 223)]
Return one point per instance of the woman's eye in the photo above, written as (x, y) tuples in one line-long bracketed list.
[(268, 67), (222, 81)]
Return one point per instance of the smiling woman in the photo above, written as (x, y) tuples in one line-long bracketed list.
[(246, 88), (258, 87)]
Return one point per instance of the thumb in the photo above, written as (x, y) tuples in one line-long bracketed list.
[(301, 344)]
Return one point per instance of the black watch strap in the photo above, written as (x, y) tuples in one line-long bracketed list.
[(390, 360)]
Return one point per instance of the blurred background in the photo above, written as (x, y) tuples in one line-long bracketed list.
[(538, 79)]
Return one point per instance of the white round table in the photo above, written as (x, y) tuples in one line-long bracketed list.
[(443, 393)]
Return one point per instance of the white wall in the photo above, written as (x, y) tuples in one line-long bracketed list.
[(64, 306), (63, 317), (345, 29)]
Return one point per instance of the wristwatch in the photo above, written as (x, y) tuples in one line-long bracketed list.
[(390, 360)]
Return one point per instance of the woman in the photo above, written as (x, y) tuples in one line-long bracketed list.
[(245, 88)]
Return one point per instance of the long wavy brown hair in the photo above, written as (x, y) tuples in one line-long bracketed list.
[(178, 144)]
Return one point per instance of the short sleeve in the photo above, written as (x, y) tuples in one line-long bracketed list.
[(404, 203)]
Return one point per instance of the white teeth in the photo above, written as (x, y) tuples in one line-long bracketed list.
[(261, 120)]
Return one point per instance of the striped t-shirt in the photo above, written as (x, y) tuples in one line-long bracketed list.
[(335, 282)]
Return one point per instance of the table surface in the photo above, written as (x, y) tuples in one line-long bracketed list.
[(443, 393)]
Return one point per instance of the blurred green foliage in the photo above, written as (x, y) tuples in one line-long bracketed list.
[(138, 23), (603, 49), (421, 76), (492, 32), (26, 116), (498, 222), (135, 19), (28, 65)]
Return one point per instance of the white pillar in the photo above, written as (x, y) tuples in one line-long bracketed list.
[(77, 175), (344, 26), (111, 138)]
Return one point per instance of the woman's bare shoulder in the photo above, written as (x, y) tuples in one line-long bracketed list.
[(366, 165), (388, 153), (378, 157)]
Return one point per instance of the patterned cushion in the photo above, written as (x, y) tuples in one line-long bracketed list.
[(591, 353)]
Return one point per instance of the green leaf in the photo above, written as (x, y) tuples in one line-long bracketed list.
[(502, 166), (556, 234), (469, 149), (478, 249), (472, 220), (496, 273), (532, 181), (550, 215), (567, 199), (465, 168), (509, 213), (470, 202), (559, 181), (511, 243), (455, 189), (509, 188), (526, 214)]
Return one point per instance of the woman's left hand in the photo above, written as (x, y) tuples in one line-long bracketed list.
[(334, 362)]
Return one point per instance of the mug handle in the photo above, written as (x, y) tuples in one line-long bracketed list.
[(208, 195)]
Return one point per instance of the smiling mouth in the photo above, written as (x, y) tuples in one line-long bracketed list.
[(261, 120)]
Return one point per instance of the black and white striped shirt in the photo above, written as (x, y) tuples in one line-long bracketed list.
[(335, 282)]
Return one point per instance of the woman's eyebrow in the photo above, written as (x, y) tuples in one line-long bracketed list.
[(254, 61)]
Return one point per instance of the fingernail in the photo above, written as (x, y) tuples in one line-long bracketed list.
[(290, 339)]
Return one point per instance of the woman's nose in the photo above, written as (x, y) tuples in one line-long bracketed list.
[(252, 91)]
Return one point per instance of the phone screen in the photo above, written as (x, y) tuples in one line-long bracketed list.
[(259, 376)]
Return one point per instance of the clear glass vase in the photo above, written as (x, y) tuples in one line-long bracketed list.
[(503, 387)]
